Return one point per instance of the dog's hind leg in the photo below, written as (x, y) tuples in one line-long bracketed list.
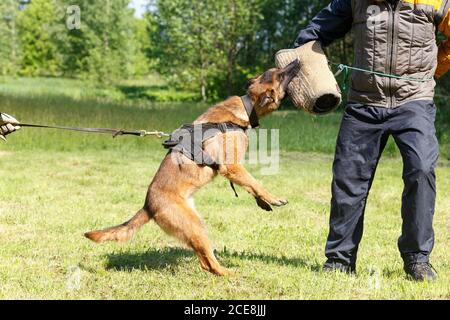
[(180, 220), (123, 232)]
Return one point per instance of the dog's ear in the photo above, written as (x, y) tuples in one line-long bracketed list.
[(250, 82)]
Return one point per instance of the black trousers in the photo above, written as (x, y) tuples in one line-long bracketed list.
[(363, 135)]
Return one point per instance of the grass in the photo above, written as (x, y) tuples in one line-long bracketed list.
[(57, 185), (150, 88)]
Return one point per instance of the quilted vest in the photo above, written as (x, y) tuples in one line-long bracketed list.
[(399, 38)]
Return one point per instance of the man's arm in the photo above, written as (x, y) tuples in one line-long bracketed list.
[(332, 23), (8, 124), (444, 48)]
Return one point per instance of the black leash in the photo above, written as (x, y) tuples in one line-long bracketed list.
[(113, 132)]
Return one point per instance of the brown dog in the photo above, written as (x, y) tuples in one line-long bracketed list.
[(169, 199)]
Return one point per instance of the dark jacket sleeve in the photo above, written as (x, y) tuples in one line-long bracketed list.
[(332, 23)]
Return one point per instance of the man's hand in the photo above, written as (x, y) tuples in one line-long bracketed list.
[(8, 124)]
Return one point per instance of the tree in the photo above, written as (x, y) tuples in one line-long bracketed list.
[(103, 48), (238, 31), (197, 43), (39, 52), (139, 61), (9, 39), (180, 41)]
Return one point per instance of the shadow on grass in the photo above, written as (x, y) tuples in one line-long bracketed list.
[(151, 259), (271, 259), (392, 273), (161, 259)]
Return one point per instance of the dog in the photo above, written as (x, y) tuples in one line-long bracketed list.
[(169, 199)]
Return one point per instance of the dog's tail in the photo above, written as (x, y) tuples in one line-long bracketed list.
[(123, 232)]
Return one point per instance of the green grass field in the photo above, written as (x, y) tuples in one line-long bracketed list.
[(56, 185)]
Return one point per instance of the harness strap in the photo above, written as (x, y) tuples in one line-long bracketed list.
[(234, 189), (251, 111)]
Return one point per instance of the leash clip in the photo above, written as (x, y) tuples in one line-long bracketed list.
[(142, 133), (158, 134), (341, 68)]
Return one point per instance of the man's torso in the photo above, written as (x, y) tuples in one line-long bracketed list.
[(398, 38)]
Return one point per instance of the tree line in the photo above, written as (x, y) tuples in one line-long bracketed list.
[(35, 40), (215, 46), (209, 47)]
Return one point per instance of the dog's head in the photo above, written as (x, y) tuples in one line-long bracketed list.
[(269, 89)]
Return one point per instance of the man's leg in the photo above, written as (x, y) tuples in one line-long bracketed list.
[(361, 141), (415, 135)]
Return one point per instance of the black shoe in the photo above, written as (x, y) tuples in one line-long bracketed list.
[(337, 266), (420, 271)]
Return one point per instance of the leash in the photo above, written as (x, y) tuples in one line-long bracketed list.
[(343, 68), (113, 132)]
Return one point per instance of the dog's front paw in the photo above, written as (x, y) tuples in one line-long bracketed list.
[(279, 202), (263, 204)]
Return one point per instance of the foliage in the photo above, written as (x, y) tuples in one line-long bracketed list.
[(104, 47), (109, 46), (9, 38), (195, 43), (36, 30)]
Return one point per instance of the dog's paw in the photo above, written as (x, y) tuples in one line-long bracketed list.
[(223, 272), (279, 202), (263, 204)]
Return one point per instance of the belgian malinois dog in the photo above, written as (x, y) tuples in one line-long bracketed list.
[(169, 199)]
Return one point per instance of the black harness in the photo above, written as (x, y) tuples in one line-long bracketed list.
[(189, 138)]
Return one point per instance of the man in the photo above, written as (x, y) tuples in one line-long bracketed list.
[(8, 125), (392, 37)]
